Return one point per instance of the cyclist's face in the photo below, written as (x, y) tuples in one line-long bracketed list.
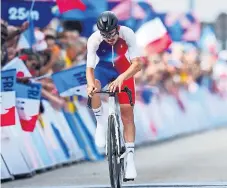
[(110, 37)]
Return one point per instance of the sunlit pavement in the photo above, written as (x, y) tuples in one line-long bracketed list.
[(193, 161)]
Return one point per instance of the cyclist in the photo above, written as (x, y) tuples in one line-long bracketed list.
[(113, 57)]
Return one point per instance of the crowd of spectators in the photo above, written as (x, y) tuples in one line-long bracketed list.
[(52, 52), (181, 66)]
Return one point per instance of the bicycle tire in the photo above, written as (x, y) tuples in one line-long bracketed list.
[(122, 150), (114, 167)]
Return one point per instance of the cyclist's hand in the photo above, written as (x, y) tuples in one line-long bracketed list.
[(116, 83), (91, 90)]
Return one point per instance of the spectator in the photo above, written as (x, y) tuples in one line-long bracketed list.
[(32, 61), (181, 66), (9, 38)]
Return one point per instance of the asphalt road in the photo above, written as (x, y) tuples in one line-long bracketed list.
[(194, 161)]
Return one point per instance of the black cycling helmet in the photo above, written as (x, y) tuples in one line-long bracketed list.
[(107, 21)]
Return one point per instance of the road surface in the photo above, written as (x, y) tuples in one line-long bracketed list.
[(198, 160)]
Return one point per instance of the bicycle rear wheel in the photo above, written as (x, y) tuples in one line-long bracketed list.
[(114, 167)]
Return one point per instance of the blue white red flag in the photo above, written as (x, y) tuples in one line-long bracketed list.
[(8, 97), (18, 64), (71, 81), (153, 36), (27, 104)]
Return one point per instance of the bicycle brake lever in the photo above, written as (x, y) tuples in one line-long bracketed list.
[(89, 102), (129, 93)]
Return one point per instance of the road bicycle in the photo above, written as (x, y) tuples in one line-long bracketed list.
[(115, 147)]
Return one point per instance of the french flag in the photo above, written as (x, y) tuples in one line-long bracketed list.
[(71, 82), (27, 104), (153, 36), (8, 97), (18, 64), (183, 26), (189, 23)]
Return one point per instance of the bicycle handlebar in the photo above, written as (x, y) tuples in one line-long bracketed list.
[(126, 90)]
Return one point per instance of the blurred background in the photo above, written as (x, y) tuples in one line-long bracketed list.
[(184, 48), (196, 38)]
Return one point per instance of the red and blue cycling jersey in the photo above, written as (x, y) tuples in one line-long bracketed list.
[(111, 61)]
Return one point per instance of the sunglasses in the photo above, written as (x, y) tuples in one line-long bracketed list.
[(109, 35)]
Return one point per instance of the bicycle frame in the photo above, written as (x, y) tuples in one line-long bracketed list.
[(120, 152), (113, 109), (112, 104)]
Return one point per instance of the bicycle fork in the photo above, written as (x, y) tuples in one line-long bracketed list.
[(113, 108), (117, 137)]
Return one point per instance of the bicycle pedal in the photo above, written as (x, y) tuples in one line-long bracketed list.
[(125, 180)]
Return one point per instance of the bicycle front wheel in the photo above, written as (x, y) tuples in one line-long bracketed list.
[(114, 167)]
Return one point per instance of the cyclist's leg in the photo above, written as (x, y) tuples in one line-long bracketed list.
[(103, 76), (96, 101), (104, 73), (127, 116)]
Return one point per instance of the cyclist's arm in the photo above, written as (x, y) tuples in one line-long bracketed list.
[(133, 69), (134, 53), (90, 76), (91, 61)]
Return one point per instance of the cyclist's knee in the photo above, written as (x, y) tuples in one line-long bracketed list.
[(98, 84), (127, 114)]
